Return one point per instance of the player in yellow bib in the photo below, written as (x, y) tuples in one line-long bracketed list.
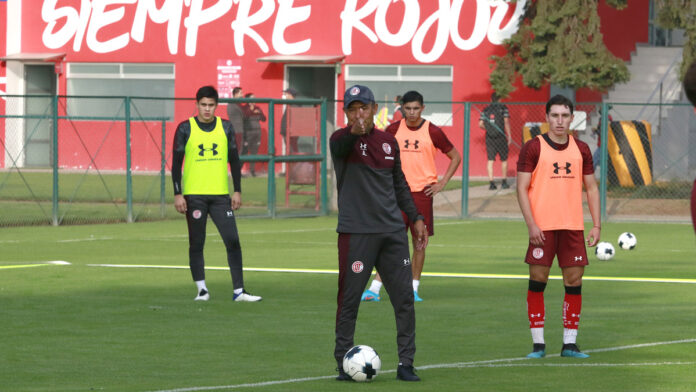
[(419, 141), (205, 146)]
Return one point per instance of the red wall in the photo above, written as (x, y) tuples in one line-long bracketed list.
[(393, 33)]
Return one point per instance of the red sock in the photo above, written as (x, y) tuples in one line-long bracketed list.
[(535, 309), (572, 303)]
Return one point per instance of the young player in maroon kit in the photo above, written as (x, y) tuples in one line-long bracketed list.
[(551, 172)]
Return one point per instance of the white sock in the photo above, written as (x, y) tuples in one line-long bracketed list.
[(375, 286), (537, 335), (239, 291), (569, 335), (200, 284), (416, 283)]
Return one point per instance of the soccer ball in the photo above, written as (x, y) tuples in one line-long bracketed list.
[(604, 251), (362, 363), (627, 241)]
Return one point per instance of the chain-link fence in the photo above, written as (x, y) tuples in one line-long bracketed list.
[(73, 160)]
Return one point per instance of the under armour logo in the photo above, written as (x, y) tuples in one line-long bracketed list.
[(557, 168), (408, 143), (532, 315), (203, 150), (578, 258), (363, 148), (407, 262)]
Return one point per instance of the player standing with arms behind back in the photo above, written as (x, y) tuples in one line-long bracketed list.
[(551, 172), (208, 144)]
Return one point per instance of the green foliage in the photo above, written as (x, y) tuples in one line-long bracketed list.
[(559, 44), (680, 14)]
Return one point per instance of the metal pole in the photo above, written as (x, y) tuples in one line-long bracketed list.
[(163, 202), (271, 161), (129, 178), (322, 165), (54, 144), (603, 169), (465, 161)]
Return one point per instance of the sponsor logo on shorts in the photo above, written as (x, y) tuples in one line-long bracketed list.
[(578, 258), (538, 253), (196, 214), (357, 266), (387, 148), (230, 214), (407, 261)]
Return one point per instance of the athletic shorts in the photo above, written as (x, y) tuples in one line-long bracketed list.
[(424, 205), (568, 245), (497, 146)]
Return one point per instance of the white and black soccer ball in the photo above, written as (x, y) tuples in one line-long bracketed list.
[(362, 363), (627, 241), (604, 251)]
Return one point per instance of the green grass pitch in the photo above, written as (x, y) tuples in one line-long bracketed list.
[(80, 327)]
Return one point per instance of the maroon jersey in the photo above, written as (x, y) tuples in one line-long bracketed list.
[(529, 154)]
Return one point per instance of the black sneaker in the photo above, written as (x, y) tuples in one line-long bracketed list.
[(504, 185), (492, 187), (342, 376), (406, 373)]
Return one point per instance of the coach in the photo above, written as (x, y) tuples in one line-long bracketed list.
[(372, 191)]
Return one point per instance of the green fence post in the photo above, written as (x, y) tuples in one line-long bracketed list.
[(465, 162), (129, 179), (271, 160), (603, 162), (54, 145), (163, 201), (324, 185)]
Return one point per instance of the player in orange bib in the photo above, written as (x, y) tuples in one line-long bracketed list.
[(419, 140), (551, 172)]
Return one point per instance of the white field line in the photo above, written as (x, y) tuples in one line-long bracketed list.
[(504, 362), (432, 274), (35, 264)]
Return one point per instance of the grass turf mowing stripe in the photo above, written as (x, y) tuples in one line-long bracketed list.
[(493, 363), (431, 274)]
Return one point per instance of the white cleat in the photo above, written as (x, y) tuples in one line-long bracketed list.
[(203, 295), (246, 297)]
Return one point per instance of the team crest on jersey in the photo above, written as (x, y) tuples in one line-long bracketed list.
[(538, 253), (387, 148), (196, 214), (357, 267), (355, 90)]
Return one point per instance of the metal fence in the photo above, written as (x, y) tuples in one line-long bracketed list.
[(75, 160)]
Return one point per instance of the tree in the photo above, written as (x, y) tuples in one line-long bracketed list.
[(559, 43), (680, 14)]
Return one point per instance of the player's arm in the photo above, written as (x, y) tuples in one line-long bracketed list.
[(342, 143), (455, 160), (593, 204), (235, 166), (178, 148), (524, 179), (507, 130)]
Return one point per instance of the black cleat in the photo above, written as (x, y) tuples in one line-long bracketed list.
[(342, 376), (406, 373), (492, 187), (504, 185)]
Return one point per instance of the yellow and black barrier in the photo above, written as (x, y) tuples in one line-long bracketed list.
[(630, 153), (532, 130)]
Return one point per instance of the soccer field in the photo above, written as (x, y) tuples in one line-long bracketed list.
[(121, 316)]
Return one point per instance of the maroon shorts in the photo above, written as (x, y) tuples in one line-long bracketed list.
[(568, 245), (424, 205)]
